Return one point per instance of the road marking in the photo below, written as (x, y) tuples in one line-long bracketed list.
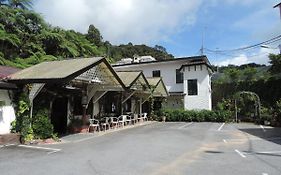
[(264, 152), (224, 141), (221, 127), (240, 154), (262, 128), (188, 124), (53, 150), (264, 174)]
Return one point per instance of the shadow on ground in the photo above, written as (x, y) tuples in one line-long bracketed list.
[(269, 134)]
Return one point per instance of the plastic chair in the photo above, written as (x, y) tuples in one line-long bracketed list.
[(104, 123), (113, 122), (94, 123), (122, 120), (144, 117)]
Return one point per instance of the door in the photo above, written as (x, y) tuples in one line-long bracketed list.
[(59, 115)]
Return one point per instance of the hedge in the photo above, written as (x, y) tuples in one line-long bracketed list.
[(180, 115)]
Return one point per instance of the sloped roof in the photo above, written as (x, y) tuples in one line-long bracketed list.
[(185, 59), (158, 86), (7, 70), (55, 69), (133, 79)]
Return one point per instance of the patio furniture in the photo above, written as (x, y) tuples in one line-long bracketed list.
[(140, 118), (113, 122), (134, 118), (104, 123), (122, 120), (128, 120), (144, 117), (94, 123)]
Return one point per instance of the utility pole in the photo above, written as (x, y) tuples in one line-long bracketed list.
[(279, 6), (202, 42)]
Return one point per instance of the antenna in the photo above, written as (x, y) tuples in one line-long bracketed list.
[(202, 42)]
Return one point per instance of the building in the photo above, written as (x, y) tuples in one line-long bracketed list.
[(7, 113), (188, 80)]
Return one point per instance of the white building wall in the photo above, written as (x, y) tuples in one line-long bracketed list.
[(203, 99), (168, 74), (7, 113), (167, 69)]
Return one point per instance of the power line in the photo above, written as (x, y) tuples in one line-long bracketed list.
[(270, 41)]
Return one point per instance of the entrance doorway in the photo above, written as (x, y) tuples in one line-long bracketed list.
[(59, 115)]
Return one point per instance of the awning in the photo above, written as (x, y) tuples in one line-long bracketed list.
[(86, 70), (158, 87)]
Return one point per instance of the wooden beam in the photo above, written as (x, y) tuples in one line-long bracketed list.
[(128, 97)]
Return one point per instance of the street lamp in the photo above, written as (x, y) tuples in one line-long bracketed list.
[(268, 47)]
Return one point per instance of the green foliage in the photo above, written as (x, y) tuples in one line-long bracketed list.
[(277, 113), (129, 50), (94, 35), (26, 39), (24, 4), (181, 115), (275, 61), (41, 125)]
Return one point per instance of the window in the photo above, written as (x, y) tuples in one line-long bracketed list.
[(179, 76), (192, 87), (156, 73)]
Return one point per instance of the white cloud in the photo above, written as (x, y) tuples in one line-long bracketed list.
[(122, 21), (259, 57)]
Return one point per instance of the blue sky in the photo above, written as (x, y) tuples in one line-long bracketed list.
[(178, 25)]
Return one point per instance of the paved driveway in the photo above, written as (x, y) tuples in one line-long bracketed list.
[(159, 148)]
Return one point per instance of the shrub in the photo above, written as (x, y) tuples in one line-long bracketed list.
[(196, 115), (42, 125)]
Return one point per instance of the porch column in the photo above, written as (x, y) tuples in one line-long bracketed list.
[(140, 106)]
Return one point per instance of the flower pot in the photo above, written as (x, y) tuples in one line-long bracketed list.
[(163, 118)]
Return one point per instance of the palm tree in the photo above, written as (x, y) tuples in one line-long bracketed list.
[(23, 4)]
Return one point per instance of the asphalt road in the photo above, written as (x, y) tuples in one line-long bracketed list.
[(159, 148)]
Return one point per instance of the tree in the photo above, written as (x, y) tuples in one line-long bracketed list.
[(250, 73), (94, 35), (275, 61), (23, 4), (3, 2), (160, 48)]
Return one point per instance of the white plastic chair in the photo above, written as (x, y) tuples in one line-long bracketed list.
[(122, 120), (134, 118), (105, 123), (144, 117), (128, 119), (94, 123), (114, 122)]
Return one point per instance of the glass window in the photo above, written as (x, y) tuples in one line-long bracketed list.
[(179, 76), (192, 87), (156, 73)]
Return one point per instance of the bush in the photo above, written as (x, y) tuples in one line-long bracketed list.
[(42, 126), (181, 115), (277, 113)]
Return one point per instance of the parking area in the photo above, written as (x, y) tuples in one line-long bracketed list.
[(157, 148)]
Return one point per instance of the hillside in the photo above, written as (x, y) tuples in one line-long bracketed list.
[(26, 39)]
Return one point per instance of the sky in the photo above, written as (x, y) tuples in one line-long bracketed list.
[(181, 26)]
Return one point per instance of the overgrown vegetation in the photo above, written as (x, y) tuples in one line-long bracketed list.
[(263, 80), (26, 39), (37, 127)]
